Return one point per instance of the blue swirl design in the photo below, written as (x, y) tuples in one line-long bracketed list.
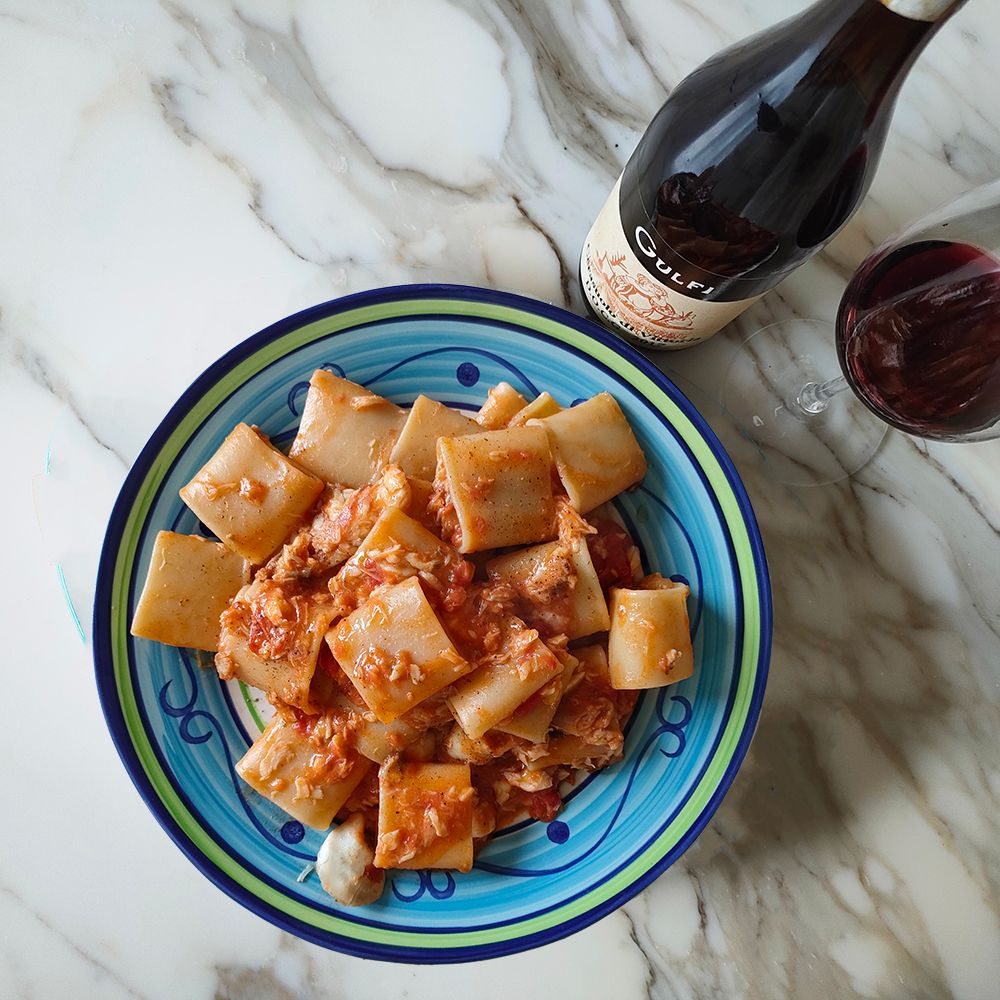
[(696, 592), (426, 886), (675, 729), (302, 387), (475, 351), (466, 374), (188, 715)]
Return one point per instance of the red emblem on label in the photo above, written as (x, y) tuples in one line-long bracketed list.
[(641, 300)]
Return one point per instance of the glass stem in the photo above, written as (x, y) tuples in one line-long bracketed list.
[(814, 397)]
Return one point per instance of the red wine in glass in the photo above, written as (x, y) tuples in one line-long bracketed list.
[(917, 343), (918, 337)]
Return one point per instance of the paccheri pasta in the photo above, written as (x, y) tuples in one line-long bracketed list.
[(426, 685)]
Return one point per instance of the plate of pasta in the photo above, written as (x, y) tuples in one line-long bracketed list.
[(432, 623)]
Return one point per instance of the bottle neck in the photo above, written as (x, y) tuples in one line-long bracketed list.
[(875, 42)]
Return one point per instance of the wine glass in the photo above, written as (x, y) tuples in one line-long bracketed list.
[(916, 346)]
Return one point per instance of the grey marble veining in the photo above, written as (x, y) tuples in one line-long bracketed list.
[(177, 175)]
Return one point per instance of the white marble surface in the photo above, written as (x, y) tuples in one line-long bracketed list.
[(174, 176)]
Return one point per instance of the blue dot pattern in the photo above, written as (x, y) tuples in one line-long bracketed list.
[(292, 832), (557, 831)]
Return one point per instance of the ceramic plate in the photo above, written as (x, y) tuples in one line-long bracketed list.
[(179, 730)]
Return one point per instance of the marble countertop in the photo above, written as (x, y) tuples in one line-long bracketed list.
[(174, 176)]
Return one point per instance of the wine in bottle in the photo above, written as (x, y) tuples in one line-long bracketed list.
[(752, 165)]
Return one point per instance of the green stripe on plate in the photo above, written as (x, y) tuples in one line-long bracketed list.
[(251, 707)]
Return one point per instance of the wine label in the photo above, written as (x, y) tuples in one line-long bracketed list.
[(920, 10), (643, 298)]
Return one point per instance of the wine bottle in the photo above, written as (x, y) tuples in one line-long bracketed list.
[(752, 165)]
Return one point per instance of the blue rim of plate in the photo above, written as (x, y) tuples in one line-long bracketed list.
[(104, 631)]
